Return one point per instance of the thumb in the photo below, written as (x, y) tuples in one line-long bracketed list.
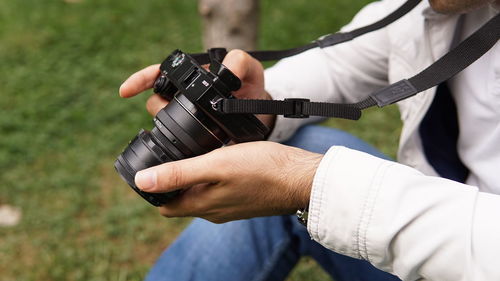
[(178, 174)]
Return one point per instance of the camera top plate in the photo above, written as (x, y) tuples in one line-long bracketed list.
[(183, 75)]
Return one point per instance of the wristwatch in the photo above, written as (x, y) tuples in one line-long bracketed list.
[(302, 215)]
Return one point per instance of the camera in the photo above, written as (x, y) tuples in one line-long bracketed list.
[(189, 125)]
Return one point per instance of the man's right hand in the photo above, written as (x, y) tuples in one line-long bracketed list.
[(247, 68)]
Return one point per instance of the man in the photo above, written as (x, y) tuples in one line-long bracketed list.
[(402, 219)]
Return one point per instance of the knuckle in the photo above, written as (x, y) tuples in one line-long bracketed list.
[(238, 54), (175, 177), (172, 212), (238, 59), (154, 104), (215, 220), (197, 207), (143, 80), (166, 212), (150, 102)]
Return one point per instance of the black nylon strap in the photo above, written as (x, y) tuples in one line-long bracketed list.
[(291, 108), (325, 41), (443, 69), (446, 67), (336, 38), (460, 57)]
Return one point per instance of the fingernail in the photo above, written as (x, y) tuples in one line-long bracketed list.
[(146, 180), (120, 89)]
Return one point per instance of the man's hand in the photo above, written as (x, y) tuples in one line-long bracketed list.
[(244, 66), (235, 182)]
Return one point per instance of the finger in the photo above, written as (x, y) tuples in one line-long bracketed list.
[(155, 103), (188, 203), (238, 62), (243, 65), (139, 81), (179, 174)]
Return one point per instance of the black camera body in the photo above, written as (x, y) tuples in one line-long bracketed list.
[(189, 125)]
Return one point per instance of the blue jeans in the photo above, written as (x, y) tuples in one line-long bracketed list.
[(264, 248)]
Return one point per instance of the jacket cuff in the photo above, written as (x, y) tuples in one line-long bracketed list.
[(342, 198)]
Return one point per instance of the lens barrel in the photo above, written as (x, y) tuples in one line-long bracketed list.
[(178, 133), (189, 125), (142, 153)]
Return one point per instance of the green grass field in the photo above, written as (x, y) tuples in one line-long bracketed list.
[(62, 124)]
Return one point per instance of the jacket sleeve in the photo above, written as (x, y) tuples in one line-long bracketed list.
[(403, 222), (347, 72)]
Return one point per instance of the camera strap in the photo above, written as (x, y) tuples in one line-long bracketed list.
[(324, 41), (443, 69)]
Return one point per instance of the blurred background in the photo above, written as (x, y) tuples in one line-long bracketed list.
[(66, 214)]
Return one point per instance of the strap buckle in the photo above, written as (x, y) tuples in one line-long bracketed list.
[(297, 108)]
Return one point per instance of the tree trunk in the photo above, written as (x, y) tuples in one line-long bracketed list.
[(232, 24)]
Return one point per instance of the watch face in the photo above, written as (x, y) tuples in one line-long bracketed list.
[(302, 215)]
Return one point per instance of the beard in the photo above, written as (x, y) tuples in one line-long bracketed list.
[(458, 6)]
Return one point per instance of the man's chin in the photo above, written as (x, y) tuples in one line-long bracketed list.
[(457, 6), (445, 7), (438, 6)]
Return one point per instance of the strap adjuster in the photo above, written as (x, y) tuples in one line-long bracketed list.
[(297, 108), (216, 104)]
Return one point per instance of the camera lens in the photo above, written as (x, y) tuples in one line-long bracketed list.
[(142, 153), (189, 125), (180, 131)]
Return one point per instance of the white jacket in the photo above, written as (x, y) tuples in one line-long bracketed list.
[(401, 218)]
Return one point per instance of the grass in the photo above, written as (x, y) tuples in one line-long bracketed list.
[(62, 125)]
